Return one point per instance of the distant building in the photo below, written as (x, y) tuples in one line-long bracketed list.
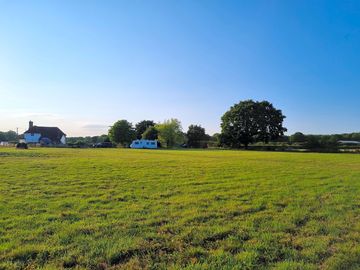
[(44, 135), (349, 142), (144, 144)]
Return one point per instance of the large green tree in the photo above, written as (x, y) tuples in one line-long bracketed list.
[(122, 133), (142, 126), (170, 133), (251, 121), (196, 136), (151, 133)]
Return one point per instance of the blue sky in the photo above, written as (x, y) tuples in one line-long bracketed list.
[(81, 65)]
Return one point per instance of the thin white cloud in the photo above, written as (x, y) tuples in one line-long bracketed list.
[(95, 126)]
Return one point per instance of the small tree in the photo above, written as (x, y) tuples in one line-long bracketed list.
[(170, 132), (312, 142), (298, 137), (196, 136), (214, 140), (151, 133), (105, 138), (142, 126), (334, 139), (122, 132)]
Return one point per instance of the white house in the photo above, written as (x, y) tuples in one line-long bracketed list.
[(144, 144), (45, 135)]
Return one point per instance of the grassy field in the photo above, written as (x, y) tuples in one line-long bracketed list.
[(143, 209)]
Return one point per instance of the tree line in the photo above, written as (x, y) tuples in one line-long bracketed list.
[(320, 141), (87, 141), (168, 133), (245, 123), (8, 136)]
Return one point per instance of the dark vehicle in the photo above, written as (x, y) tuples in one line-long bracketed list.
[(103, 145), (21, 146)]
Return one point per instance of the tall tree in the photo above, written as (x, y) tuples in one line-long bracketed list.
[(122, 132), (170, 132), (142, 126), (249, 121), (196, 136), (151, 133), (11, 135), (2, 136)]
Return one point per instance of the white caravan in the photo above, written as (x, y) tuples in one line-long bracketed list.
[(144, 144)]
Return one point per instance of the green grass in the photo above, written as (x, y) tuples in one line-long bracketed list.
[(139, 209)]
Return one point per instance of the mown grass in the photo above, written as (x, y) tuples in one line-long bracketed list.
[(143, 209)]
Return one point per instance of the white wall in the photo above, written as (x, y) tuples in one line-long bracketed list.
[(63, 139), (32, 137)]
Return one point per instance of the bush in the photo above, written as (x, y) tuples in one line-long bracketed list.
[(21, 146)]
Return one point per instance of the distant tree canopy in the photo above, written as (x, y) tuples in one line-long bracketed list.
[(141, 127), (151, 133), (322, 141), (297, 137), (196, 136), (122, 133), (170, 133), (9, 136), (312, 142), (251, 121), (88, 140), (215, 140)]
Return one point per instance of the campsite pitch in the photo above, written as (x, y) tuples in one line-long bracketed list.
[(159, 209)]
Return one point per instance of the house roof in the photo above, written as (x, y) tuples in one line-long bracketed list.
[(53, 133)]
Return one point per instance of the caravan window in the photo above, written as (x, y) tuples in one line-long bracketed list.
[(147, 143), (136, 142), (152, 143)]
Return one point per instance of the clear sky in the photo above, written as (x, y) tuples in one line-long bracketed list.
[(81, 65)]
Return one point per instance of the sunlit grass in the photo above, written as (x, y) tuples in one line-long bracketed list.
[(135, 209)]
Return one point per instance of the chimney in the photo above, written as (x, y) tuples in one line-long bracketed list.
[(31, 124)]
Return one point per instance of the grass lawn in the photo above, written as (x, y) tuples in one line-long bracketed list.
[(159, 209)]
